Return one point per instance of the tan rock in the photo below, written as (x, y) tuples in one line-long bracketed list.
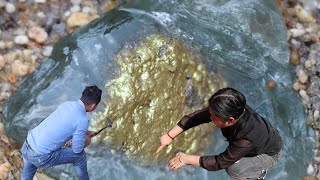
[(20, 69), (303, 15), (78, 19), (309, 178), (5, 168), (302, 76), (1, 128), (38, 34), (2, 62), (294, 55)]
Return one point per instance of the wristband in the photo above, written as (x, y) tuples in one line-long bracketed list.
[(170, 136)]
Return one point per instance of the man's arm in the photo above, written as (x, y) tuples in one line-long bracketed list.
[(188, 121), (79, 136), (233, 153)]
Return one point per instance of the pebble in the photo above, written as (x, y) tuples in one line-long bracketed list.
[(302, 76), (297, 32), (20, 69), (316, 115), (10, 8), (294, 55), (303, 95), (307, 64), (40, 1), (78, 19), (21, 39), (38, 34), (4, 170), (303, 15), (47, 51), (75, 8), (2, 62), (310, 170), (2, 4)]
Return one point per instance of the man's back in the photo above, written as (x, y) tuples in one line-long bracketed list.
[(67, 121)]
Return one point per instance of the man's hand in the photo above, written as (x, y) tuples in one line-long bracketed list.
[(91, 134), (178, 161), (165, 140)]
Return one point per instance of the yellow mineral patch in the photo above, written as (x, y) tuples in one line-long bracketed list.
[(159, 81)]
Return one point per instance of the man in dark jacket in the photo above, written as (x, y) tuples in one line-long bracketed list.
[(254, 145)]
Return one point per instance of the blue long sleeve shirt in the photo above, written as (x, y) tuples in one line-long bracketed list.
[(68, 121)]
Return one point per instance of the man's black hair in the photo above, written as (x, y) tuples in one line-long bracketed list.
[(227, 102), (91, 94)]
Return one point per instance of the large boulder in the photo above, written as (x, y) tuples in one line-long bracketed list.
[(156, 61)]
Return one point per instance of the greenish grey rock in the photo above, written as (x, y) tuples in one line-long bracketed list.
[(243, 42)]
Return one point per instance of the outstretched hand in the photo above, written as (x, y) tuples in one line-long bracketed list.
[(165, 140), (177, 161)]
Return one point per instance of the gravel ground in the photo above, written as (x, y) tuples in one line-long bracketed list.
[(30, 28)]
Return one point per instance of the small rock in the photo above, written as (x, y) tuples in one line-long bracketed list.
[(76, 2), (2, 45), (2, 62), (309, 178), (75, 8), (21, 39), (302, 76), (310, 170), (303, 95), (296, 86), (78, 19), (294, 55), (1, 128), (316, 114), (20, 69), (40, 1), (297, 32), (41, 15), (2, 4), (9, 44), (47, 51), (271, 84), (303, 15), (307, 64), (5, 168), (38, 34), (10, 8), (313, 62)]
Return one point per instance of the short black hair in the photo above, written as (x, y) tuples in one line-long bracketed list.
[(91, 94), (227, 102)]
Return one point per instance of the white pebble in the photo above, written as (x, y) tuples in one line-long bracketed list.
[(2, 45), (76, 2), (86, 10), (304, 95), (310, 170), (10, 8), (316, 114), (297, 32), (21, 39), (67, 13), (313, 62), (41, 15), (40, 1), (75, 8), (47, 51)]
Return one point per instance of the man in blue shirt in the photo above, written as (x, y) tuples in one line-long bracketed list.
[(42, 147)]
